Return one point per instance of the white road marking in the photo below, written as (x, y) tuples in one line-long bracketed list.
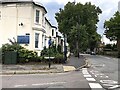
[(109, 85), (101, 74), (52, 83), (84, 68), (106, 76), (20, 85), (90, 79), (109, 81), (87, 75), (107, 57), (95, 85), (94, 72), (95, 75), (115, 86), (99, 65), (84, 71)]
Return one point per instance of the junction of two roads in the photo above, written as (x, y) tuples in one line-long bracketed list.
[(102, 74)]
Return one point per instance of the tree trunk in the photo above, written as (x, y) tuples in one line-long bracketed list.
[(77, 46)]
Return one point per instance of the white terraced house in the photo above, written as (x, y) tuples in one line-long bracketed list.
[(26, 22)]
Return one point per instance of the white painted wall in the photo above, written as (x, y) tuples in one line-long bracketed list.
[(1, 31), (12, 15)]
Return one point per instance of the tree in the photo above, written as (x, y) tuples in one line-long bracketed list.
[(112, 27), (78, 22), (78, 36)]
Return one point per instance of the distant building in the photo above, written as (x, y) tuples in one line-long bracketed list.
[(26, 22)]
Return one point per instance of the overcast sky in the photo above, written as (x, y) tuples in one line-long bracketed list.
[(108, 7)]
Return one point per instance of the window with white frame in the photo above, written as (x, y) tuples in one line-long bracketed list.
[(36, 40), (43, 40), (43, 18), (37, 16), (52, 32)]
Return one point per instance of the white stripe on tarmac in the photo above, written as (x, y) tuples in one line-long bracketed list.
[(90, 79), (84, 68), (116, 86), (85, 72), (87, 75), (40, 84), (20, 85), (95, 85), (52, 83)]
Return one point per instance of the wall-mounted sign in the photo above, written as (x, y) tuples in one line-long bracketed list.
[(23, 39)]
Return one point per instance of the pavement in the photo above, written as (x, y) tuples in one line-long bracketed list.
[(73, 63)]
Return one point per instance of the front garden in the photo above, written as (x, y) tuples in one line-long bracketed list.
[(26, 56)]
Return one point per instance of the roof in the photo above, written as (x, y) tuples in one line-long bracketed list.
[(50, 23), (54, 27), (22, 1)]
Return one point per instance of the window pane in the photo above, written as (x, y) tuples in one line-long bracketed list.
[(37, 16), (52, 32), (36, 40)]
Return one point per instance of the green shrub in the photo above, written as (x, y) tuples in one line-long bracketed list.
[(52, 52), (59, 48), (59, 58), (23, 55)]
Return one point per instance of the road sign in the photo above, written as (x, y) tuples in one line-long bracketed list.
[(49, 42)]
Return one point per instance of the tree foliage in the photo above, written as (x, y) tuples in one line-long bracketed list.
[(112, 27), (112, 31), (78, 22)]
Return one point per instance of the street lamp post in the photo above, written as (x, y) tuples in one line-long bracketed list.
[(49, 42), (77, 40), (65, 49)]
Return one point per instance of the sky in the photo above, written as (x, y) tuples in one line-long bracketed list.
[(108, 7)]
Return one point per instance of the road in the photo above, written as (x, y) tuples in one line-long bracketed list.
[(104, 70), (73, 79), (102, 74)]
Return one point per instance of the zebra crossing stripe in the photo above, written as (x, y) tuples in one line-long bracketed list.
[(90, 79), (95, 85)]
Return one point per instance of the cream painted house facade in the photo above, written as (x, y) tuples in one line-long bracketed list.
[(26, 22)]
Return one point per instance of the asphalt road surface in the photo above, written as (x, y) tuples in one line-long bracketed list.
[(105, 70), (102, 75), (73, 79)]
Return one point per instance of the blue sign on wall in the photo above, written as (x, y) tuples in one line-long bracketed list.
[(49, 42), (23, 39)]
